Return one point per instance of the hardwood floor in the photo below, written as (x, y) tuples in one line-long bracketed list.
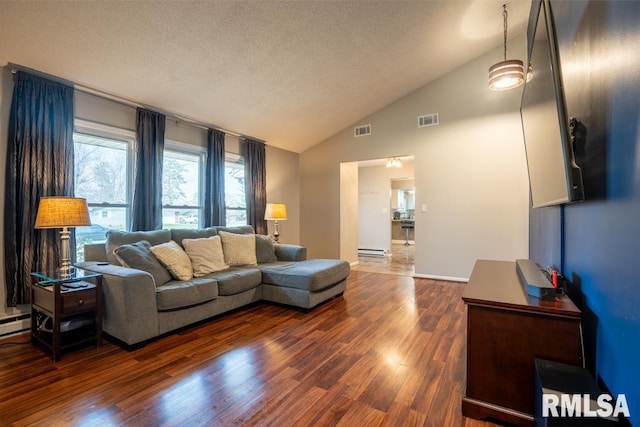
[(401, 261), (391, 352)]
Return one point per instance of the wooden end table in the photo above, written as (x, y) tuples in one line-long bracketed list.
[(65, 311)]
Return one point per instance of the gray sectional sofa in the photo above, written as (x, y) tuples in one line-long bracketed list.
[(136, 309)]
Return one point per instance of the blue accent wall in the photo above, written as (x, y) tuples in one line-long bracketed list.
[(600, 58)]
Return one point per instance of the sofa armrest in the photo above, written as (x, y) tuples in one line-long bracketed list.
[(130, 305), (285, 252)]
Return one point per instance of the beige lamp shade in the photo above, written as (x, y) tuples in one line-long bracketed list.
[(276, 211), (61, 211)]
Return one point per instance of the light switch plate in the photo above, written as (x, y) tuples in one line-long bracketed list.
[(424, 208)]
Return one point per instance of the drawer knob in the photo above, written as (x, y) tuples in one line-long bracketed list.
[(80, 302)]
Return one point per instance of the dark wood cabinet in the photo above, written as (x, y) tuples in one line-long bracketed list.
[(506, 331)]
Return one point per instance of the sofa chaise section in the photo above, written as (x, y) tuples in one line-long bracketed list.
[(306, 283)]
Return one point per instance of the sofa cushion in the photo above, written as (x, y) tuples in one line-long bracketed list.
[(238, 229), (118, 238), (310, 275), (236, 279), (172, 256), (179, 294), (239, 249), (265, 251), (137, 255), (206, 255), (178, 235)]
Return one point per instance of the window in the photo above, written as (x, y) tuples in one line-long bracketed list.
[(102, 173), (182, 201), (235, 199)]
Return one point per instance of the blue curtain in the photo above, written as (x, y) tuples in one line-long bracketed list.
[(255, 183), (214, 201), (146, 210), (39, 163)]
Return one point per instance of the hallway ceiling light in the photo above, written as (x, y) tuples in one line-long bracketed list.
[(506, 74), (394, 163)]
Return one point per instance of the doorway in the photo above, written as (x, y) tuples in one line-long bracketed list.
[(386, 204)]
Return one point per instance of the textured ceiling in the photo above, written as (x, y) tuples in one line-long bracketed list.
[(291, 73)]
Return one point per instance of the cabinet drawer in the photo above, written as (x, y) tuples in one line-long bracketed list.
[(74, 302)]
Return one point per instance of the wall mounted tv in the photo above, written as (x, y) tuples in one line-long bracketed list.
[(554, 177)]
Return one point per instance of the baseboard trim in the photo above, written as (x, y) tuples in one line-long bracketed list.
[(445, 278)]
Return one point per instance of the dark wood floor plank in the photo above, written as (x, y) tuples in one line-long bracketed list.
[(390, 352), (401, 415)]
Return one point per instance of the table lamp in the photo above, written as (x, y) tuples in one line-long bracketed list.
[(63, 212), (276, 212)]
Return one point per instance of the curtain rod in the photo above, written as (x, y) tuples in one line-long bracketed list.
[(125, 101)]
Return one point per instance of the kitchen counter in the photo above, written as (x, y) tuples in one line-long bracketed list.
[(398, 233)]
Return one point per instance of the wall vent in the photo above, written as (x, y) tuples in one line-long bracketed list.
[(428, 120), (362, 130)]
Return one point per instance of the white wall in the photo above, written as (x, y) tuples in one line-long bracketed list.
[(470, 172), (477, 196), (283, 185), (349, 212)]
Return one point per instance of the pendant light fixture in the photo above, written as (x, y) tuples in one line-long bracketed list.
[(507, 74)]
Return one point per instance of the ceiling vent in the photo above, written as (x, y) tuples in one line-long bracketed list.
[(428, 120), (362, 130)]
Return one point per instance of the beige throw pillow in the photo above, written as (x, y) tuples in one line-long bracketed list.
[(172, 256), (206, 255), (239, 249)]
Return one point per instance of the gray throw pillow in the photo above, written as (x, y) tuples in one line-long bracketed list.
[(265, 252), (116, 239), (138, 255)]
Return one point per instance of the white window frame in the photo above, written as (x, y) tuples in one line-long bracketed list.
[(124, 135), (235, 158), (181, 147)]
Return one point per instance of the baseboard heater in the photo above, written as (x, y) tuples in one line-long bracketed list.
[(14, 324), (372, 252)]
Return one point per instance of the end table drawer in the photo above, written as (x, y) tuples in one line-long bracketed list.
[(73, 302), (43, 297)]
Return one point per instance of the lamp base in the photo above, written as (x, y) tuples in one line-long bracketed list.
[(66, 272), (276, 235)]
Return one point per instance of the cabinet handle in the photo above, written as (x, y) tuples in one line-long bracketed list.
[(80, 302)]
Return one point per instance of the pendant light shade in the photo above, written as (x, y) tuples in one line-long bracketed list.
[(506, 74)]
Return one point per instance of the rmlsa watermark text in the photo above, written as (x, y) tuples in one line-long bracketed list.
[(581, 405)]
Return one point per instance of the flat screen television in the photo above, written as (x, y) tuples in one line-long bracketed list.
[(554, 176)]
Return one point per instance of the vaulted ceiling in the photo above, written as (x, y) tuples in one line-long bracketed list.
[(291, 73)]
